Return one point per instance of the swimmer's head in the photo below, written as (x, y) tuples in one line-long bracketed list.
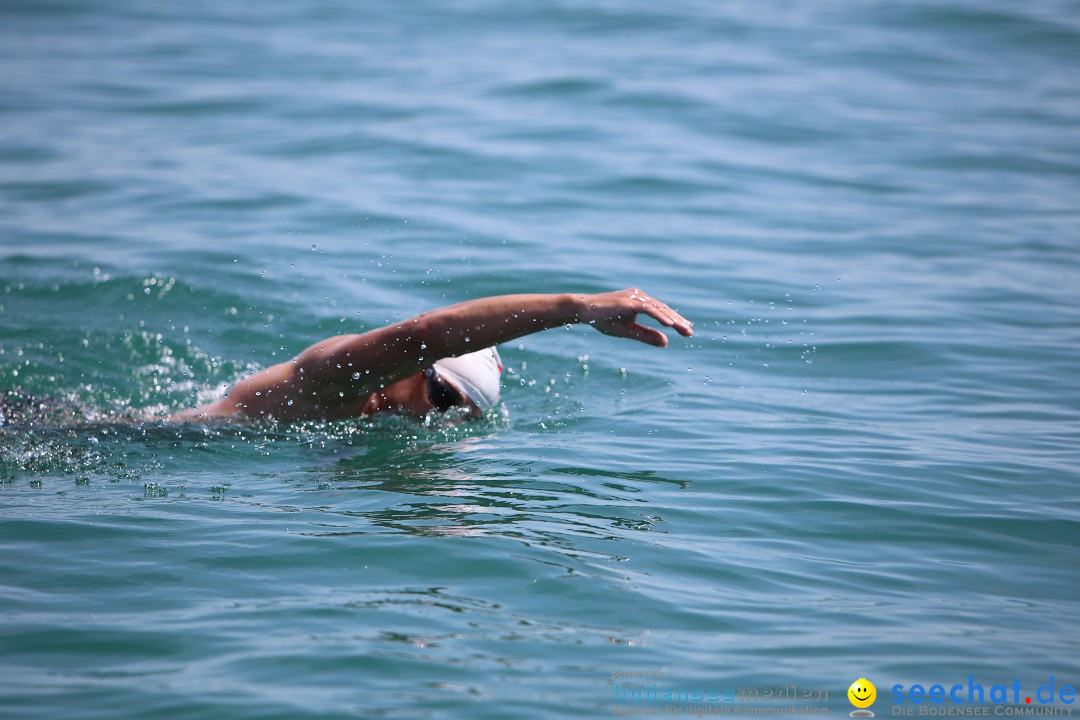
[(475, 375)]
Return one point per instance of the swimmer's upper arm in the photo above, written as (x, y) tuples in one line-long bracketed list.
[(366, 361)]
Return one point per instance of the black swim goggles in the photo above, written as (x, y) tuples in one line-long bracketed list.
[(440, 393)]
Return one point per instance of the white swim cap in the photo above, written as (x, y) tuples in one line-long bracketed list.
[(475, 374)]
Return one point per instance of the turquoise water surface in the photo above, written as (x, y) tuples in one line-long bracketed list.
[(862, 465)]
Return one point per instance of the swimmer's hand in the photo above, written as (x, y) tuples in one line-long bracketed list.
[(615, 313)]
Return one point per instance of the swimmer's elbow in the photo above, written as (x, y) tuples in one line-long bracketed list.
[(431, 336), (420, 332), (323, 357)]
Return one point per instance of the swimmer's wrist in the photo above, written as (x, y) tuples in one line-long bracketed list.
[(573, 307)]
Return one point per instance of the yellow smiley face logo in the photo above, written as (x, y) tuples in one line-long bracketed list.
[(862, 693)]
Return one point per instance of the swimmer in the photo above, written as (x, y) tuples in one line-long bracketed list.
[(428, 363)]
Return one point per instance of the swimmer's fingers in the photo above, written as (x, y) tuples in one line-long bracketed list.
[(647, 335), (627, 328), (663, 313)]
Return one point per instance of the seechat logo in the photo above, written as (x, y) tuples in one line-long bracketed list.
[(862, 694), (999, 700), (972, 692)]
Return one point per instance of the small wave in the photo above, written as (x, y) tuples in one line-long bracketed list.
[(555, 87)]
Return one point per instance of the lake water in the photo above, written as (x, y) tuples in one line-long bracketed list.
[(862, 465)]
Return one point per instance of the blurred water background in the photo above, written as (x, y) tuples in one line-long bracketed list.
[(864, 463)]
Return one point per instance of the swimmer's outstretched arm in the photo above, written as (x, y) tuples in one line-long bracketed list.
[(397, 351), (348, 366)]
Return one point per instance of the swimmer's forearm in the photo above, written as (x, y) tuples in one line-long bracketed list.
[(475, 324)]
